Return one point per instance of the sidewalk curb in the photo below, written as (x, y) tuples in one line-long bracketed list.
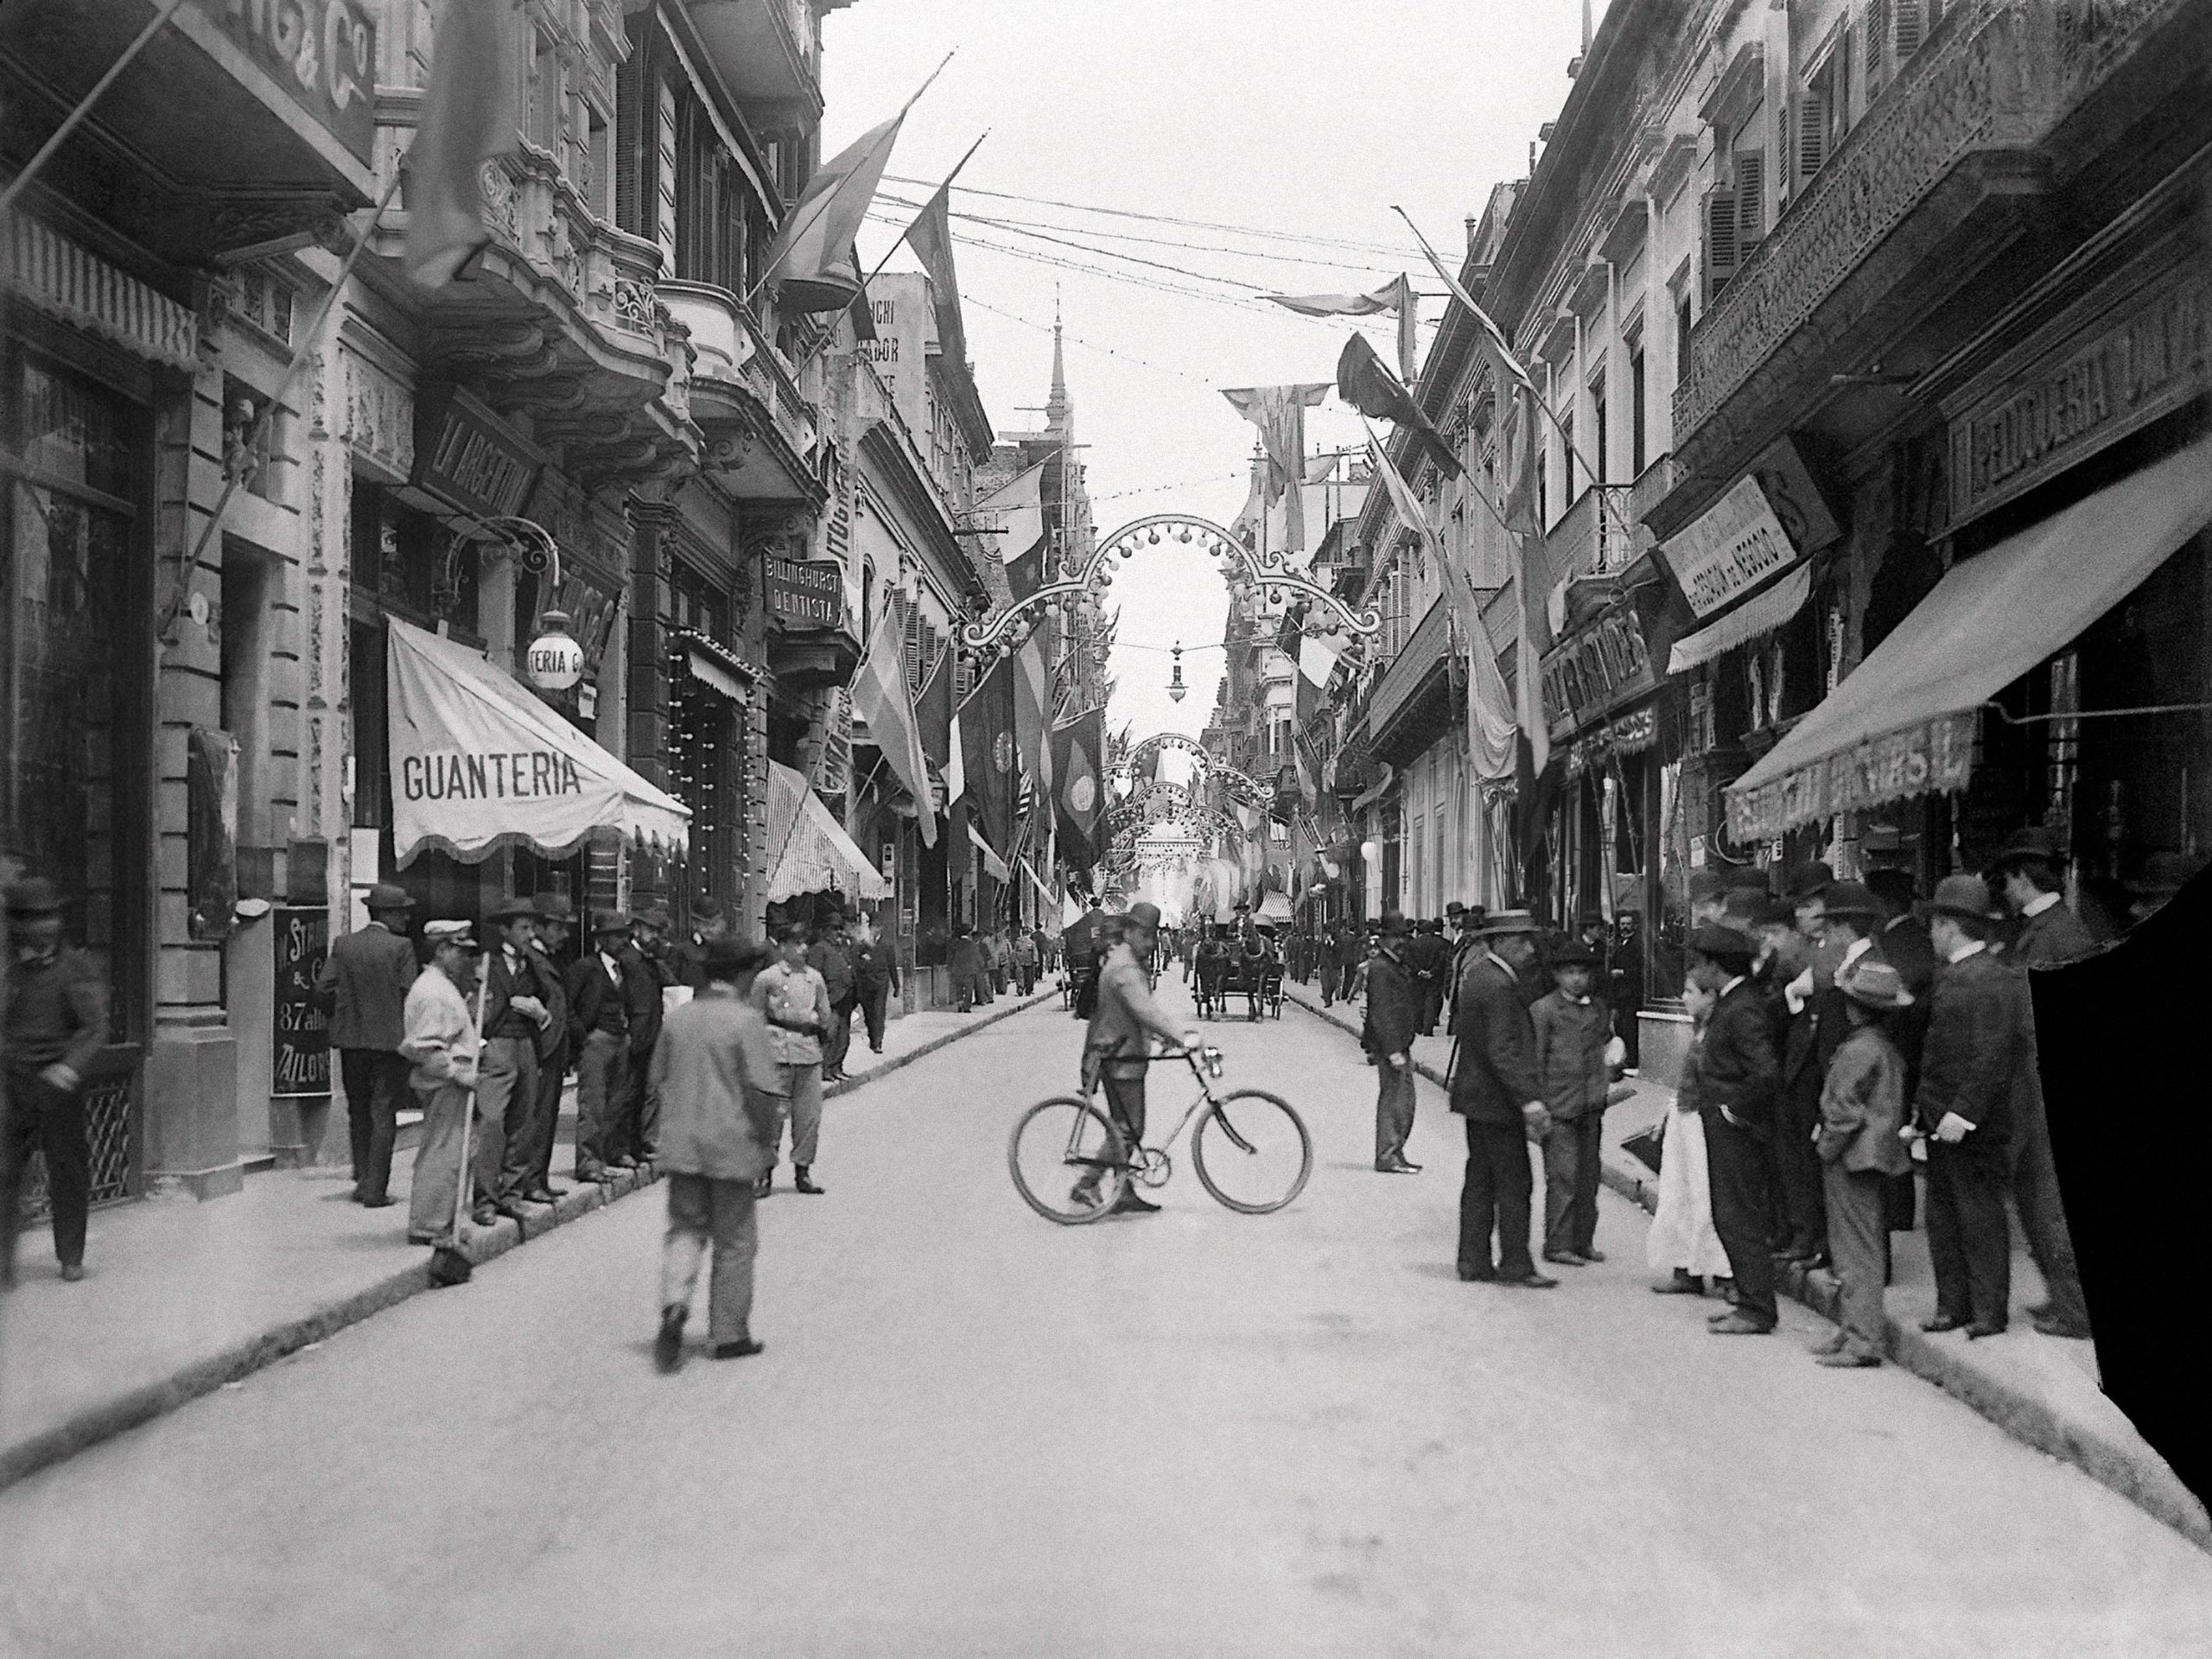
[(2147, 1484), (141, 1404)]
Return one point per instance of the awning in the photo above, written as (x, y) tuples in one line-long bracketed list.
[(992, 861), (815, 854), (1761, 614), (479, 763), (1902, 723)]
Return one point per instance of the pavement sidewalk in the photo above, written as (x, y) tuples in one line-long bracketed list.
[(2041, 1390), (182, 1298)]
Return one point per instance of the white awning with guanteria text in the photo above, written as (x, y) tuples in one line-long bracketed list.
[(479, 763)]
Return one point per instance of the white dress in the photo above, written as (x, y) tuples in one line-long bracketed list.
[(1682, 1235)]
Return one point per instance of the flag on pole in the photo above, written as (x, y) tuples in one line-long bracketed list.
[(1032, 710), (879, 698), (1511, 364), (1317, 660), (1015, 511), (1365, 382), (810, 252), (1395, 296), (1079, 791), (1280, 413), (930, 238), (955, 756), (469, 116)]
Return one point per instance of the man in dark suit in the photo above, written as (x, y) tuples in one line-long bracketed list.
[(599, 1035), (516, 1015), (1430, 957), (57, 1023), (2050, 933), (1902, 937), (647, 973), (831, 956), (1739, 1079), (555, 917), (364, 987), (1977, 1067), (1395, 1003), (1494, 1087), (875, 976)]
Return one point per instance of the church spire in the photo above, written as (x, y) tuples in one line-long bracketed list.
[(1056, 409)]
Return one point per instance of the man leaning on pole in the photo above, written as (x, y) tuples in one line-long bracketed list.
[(442, 1041)]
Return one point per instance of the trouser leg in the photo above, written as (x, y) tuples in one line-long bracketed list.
[(1947, 1254), (873, 1002), (1394, 1111), (498, 1082), (551, 1070), (839, 1041), (601, 1070), (1798, 1164), (1974, 1182), (806, 1112), (1477, 1205), (1858, 1235), (642, 1108), (1125, 1104), (356, 1071), (437, 1166), (387, 1092), (689, 1221), (1516, 1186), (737, 1242), (1589, 1152), (2042, 1219), (1738, 1167), (18, 1130), (519, 1128), (1562, 1152), (52, 1119), (964, 991)]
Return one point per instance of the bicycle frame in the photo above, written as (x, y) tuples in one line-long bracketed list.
[(1205, 1064)]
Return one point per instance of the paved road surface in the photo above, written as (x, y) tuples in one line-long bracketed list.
[(976, 1434)]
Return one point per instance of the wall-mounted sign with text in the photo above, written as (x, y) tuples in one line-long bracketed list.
[(322, 53), (1770, 518), (806, 593)]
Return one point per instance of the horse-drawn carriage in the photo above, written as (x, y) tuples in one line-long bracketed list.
[(1251, 970)]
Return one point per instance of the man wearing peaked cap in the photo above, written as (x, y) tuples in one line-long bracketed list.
[(363, 987), (442, 1041)]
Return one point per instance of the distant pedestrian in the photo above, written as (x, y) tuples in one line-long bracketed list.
[(709, 922), (56, 1024), (795, 1003), (599, 1036), (555, 915), (442, 1043), (1430, 957), (1572, 1028), (1739, 1079), (647, 972), (1393, 1008), (965, 963), (715, 1068), (1330, 957), (363, 985), (1862, 1115), (1495, 1088), (1627, 984), (875, 976), (830, 956), (1684, 1242), (1025, 960), (517, 1010)]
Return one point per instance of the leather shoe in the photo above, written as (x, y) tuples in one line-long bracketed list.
[(1567, 1258), (741, 1349), (1941, 1323), (765, 1185), (384, 1201), (1829, 1345), (625, 1161), (544, 1194), (1530, 1282), (598, 1175), (668, 1345), (1477, 1275), (485, 1215), (803, 1181), (1979, 1329), (1844, 1360), (1682, 1284), (1737, 1325), (1723, 1316), (1130, 1204), (72, 1272), (2055, 1327), (1591, 1254)]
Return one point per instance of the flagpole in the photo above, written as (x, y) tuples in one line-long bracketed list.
[(822, 202), (76, 117)]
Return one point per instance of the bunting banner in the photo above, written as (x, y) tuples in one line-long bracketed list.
[(987, 726), (880, 697), (930, 238), (1015, 513), (1396, 296), (1079, 790), (1280, 413)]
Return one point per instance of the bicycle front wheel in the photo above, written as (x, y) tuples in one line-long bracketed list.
[(1067, 1160), (1252, 1152)]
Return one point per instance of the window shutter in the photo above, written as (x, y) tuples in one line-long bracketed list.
[(1812, 132), (1751, 200), (1912, 27), (1877, 39), (629, 90), (664, 172), (1720, 242)]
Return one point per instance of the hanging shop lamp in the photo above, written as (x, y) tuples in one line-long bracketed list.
[(1175, 686)]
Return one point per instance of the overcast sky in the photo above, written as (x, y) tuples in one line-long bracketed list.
[(1310, 116)]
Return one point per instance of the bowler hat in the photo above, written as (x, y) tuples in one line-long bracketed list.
[(554, 908), (1570, 953), (610, 921), (1455, 908), (34, 895), (1961, 895), (1144, 914), (1725, 945), (1851, 900), (1808, 881), (389, 895), (2034, 842), (727, 958), (507, 909), (657, 917), (1764, 912), (1499, 922), (706, 910), (1873, 981), (1395, 924)]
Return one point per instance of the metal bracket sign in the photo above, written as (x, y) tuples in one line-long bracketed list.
[(807, 593)]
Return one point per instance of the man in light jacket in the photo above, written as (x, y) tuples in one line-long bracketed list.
[(442, 1041), (795, 1003), (365, 980), (715, 1068), (1117, 1046)]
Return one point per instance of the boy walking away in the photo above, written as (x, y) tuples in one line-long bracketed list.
[(1572, 1028), (965, 964), (1862, 1110), (715, 1070)]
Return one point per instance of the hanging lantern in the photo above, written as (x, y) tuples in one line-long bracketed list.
[(556, 660), (1176, 689)]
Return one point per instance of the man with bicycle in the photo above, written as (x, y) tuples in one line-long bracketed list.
[(1117, 1048)]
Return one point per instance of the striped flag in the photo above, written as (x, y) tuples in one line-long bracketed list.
[(879, 698), (811, 257)]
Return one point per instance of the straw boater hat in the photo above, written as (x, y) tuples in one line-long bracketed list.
[(1870, 980), (1500, 923)]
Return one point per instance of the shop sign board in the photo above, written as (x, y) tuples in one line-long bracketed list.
[(466, 455), (300, 1060), (1930, 757), (1768, 519), (322, 53), (2130, 366), (807, 593), (1590, 673)]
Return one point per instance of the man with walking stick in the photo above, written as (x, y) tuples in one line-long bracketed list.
[(442, 1041)]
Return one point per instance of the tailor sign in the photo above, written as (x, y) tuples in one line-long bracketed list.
[(322, 53), (1770, 518)]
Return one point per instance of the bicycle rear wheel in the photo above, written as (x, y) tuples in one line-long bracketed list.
[(1252, 1152), (1067, 1160)]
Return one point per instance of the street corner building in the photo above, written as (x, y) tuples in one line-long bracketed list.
[(1834, 428), (549, 578)]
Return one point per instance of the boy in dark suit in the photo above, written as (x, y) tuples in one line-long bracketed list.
[(1571, 1028)]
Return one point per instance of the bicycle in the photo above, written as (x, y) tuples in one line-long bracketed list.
[(1261, 1158)]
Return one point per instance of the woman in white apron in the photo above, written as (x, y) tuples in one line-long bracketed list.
[(1682, 1242)]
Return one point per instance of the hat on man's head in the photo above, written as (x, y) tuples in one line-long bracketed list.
[(1144, 914), (2034, 842), (1593, 918), (1853, 900), (1394, 924), (1873, 981), (1727, 945), (1570, 953), (453, 933), (34, 895), (658, 918), (1707, 885), (507, 909), (1500, 923), (1808, 881), (610, 921), (1961, 895), (389, 895), (727, 958), (1455, 908), (706, 910), (554, 908)]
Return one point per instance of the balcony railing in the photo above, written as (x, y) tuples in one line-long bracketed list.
[(1596, 536)]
